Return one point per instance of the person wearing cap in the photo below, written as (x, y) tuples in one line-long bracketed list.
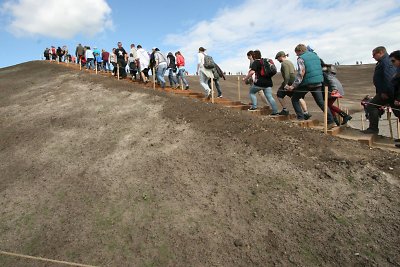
[(171, 67), (309, 78), (204, 74), (288, 75)]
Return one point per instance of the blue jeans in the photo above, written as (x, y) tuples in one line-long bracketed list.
[(161, 69), (318, 98), (204, 82), (181, 75), (172, 78), (268, 94), (216, 82), (106, 66)]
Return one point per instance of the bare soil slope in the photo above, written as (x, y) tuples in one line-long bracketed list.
[(102, 172)]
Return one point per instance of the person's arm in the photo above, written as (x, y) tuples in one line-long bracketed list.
[(285, 74), (249, 75), (388, 88), (300, 75)]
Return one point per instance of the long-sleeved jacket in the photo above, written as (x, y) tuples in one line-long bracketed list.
[(396, 85), (384, 72)]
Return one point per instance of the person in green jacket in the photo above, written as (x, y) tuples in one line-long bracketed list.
[(288, 75)]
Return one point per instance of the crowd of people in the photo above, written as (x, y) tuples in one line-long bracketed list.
[(312, 75)]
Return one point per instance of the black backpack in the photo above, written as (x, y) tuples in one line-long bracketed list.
[(268, 68), (209, 62)]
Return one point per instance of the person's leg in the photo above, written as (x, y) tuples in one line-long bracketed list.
[(170, 75), (297, 95), (204, 83), (373, 112), (271, 100), (182, 75), (217, 85), (319, 100), (252, 94), (160, 74)]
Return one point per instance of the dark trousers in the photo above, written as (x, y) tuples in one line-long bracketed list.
[(122, 65), (318, 96), (374, 111)]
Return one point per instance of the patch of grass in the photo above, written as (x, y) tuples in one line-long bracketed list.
[(350, 178)]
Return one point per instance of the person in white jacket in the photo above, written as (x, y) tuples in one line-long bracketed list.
[(204, 74), (144, 60)]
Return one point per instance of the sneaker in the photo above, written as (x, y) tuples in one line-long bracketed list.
[(336, 121), (220, 96), (346, 119), (331, 125), (252, 109), (284, 112), (275, 113), (187, 87), (307, 116), (370, 131)]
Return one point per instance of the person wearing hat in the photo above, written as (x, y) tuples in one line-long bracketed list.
[(288, 75), (204, 74)]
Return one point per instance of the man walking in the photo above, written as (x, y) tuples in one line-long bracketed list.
[(122, 58), (309, 79), (288, 75), (383, 74), (204, 74)]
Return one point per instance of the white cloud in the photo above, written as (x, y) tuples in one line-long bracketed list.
[(340, 30), (60, 19)]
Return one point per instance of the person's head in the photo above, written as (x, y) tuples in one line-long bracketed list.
[(113, 50), (119, 44), (281, 56), (250, 54), (139, 46), (300, 49), (395, 58), (257, 54), (132, 45), (378, 53), (202, 49), (177, 53)]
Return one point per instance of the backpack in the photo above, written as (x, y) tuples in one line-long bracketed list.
[(268, 68), (209, 62)]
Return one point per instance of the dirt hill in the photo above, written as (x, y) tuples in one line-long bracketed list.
[(104, 172)]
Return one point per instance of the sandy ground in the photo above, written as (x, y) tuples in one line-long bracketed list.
[(106, 173)]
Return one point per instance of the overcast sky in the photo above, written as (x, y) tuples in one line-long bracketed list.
[(339, 30)]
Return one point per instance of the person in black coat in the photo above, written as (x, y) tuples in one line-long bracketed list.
[(383, 74)]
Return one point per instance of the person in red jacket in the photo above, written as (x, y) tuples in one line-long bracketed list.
[(180, 64)]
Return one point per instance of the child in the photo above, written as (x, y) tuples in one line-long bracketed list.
[(336, 91)]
